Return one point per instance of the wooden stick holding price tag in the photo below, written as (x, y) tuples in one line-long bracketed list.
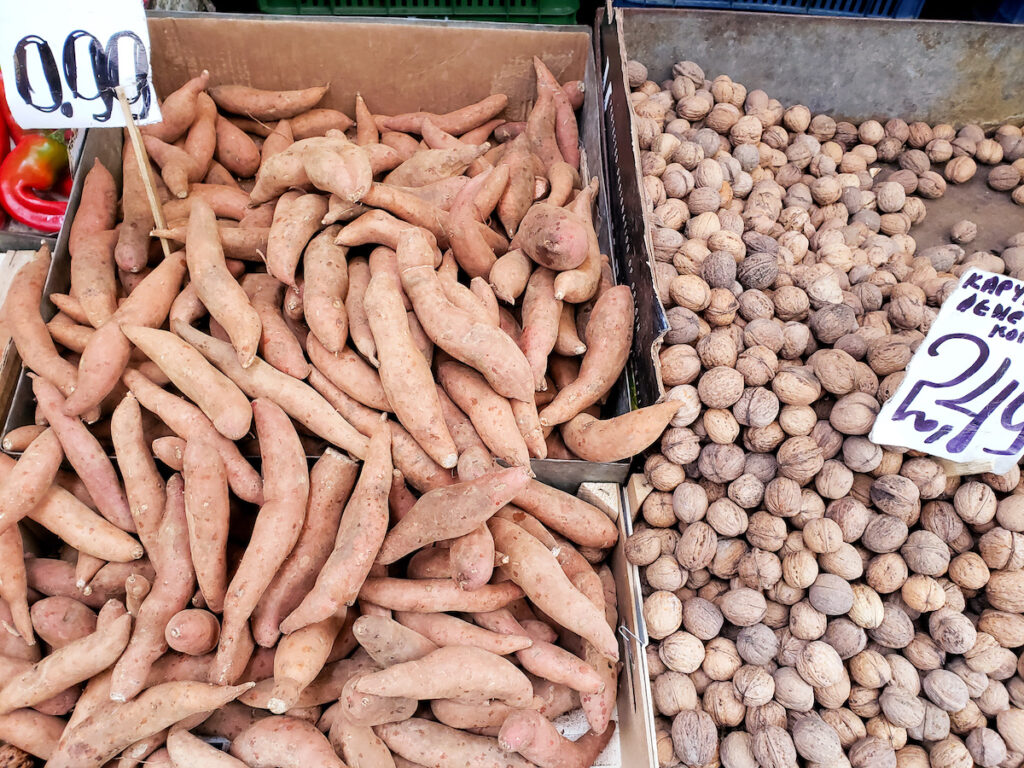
[(144, 167)]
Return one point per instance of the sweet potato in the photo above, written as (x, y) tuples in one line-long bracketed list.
[(266, 105), (540, 312), (77, 661), (433, 595), (188, 421), (530, 734), (429, 563), (446, 630), (361, 531), (237, 242), (61, 513), (193, 631), (388, 642), (18, 439), (469, 245), (108, 350), (178, 169), (619, 437), (553, 237), (178, 110), (405, 373), (359, 328), (284, 742), (410, 459), (86, 567), (359, 745), (540, 129), (61, 620), (582, 283), (30, 478), (410, 207), (465, 673), (113, 727), (568, 343), (562, 178), (92, 277), (86, 455), (235, 150), (207, 512), (215, 394), (188, 751), (14, 585), (218, 174), (345, 171), (31, 731), (509, 275), (171, 591), (456, 122), (331, 481), (299, 658), (136, 587), (326, 285), (28, 331), (217, 288), (317, 122), (532, 566), (341, 210), (609, 337), (567, 135), (261, 380), (296, 220), (447, 513), (482, 346), (475, 718), (286, 492), (351, 374), (278, 344), (433, 745), (490, 413), (431, 165), (144, 488)]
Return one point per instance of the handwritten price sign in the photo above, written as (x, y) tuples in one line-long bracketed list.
[(62, 59), (963, 396)]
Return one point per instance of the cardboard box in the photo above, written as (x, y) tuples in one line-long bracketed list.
[(403, 66), (398, 66)]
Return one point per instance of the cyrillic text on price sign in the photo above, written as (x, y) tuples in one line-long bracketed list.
[(963, 395), (62, 59)]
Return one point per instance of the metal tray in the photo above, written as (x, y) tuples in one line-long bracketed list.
[(852, 69)]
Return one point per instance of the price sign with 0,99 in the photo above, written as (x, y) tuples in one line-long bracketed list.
[(963, 395), (62, 59)]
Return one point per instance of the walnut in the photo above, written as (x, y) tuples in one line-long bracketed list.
[(694, 737), (931, 185), (800, 458), (960, 169), (636, 73), (1003, 178), (646, 545), (758, 271), (663, 614), (953, 631), (854, 413), (720, 387)]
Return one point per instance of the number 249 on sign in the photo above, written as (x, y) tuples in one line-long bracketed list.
[(962, 397)]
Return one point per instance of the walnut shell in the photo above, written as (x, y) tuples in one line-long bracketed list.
[(1003, 178), (960, 169)]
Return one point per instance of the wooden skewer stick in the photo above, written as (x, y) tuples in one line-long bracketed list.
[(144, 167)]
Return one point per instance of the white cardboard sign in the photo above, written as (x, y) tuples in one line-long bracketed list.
[(62, 59), (963, 396)]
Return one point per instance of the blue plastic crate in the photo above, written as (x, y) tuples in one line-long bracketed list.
[(882, 9)]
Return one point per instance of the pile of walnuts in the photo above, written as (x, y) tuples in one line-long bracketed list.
[(810, 594)]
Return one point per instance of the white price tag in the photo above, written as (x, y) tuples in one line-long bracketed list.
[(963, 395), (62, 59)]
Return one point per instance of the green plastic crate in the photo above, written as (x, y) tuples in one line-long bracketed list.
[(518, 11)]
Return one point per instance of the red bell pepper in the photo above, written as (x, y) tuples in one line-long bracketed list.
[(36, 164)]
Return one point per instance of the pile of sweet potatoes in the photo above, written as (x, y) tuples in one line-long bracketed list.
[(424, 292)]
